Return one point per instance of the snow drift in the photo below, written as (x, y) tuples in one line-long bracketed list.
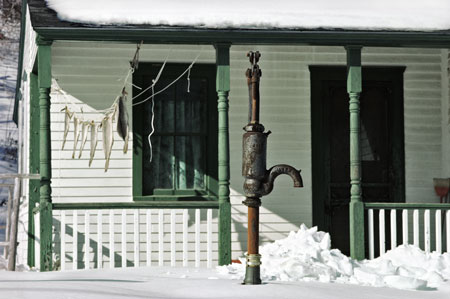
[(306, 255)]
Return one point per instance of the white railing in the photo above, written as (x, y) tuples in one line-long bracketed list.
[(98, 238), (424, 225)]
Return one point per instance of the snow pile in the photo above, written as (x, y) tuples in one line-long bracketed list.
[(262, 14), (306, 255), (19, 268)]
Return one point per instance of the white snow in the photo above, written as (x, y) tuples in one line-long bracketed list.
[(416, 15), (182, 283), (9, 48), (306, 255), (299, 266), (19, 267)]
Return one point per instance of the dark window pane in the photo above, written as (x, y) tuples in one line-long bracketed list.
[(191, 106), (158, 174), (178, 143), (190, 162)]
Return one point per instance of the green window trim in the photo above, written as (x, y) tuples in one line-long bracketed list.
[(210, 191)]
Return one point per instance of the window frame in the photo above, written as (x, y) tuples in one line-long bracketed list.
[(173, 70)]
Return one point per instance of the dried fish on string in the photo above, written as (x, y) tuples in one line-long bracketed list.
[(76, 134), (108, 136), (84, 129), (122, 120), (94, 135), (67, 116)]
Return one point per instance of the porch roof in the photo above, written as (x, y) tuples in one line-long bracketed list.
[(46, 23)]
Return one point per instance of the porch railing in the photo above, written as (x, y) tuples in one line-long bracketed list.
[(132, 234), (422, 224)]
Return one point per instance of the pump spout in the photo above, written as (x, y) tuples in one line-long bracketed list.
[(279, 169)]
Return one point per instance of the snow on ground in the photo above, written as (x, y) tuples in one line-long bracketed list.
[(260, 14), (181, 283), (9, 47), (306, 255)]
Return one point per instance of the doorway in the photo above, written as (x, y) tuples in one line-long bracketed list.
[(381, 145)]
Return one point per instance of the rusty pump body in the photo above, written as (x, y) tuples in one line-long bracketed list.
[(258, 180)]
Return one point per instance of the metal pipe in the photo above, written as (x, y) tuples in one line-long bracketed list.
[(258, 180)]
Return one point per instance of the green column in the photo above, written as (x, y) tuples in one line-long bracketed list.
[(34, 185), (354, 88), (45, 200), (223, 88)]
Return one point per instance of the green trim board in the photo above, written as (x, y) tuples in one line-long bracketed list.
[(320, 132), (34, 185), (406, 206), (137, 205), (143, 78)]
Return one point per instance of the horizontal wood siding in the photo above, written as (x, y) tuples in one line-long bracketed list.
[(90, 71)]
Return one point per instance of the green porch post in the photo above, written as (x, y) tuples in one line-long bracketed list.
[(354, 88), (45, 200), (34, 197), (223, 88)]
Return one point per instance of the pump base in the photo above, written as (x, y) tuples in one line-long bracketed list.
[(252, 275)]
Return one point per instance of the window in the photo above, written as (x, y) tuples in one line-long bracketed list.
[(184, 143)]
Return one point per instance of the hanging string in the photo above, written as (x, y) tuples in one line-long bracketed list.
[(189, 81), (152, 122), (157, 78), (169, 85)]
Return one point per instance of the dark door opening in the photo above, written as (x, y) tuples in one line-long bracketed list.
[(382, 145)]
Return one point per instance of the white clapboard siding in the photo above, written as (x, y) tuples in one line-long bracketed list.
[(151, 237), (90, 71)]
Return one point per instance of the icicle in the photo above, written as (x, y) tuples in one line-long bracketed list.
[(67, 117), (94, 137), (84, 129), (76, 134)]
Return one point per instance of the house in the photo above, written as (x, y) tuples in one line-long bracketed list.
[(184, 207)]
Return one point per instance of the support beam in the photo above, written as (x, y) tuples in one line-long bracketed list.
[(34, 185), (45, 200), (354, 88), (223, 88)]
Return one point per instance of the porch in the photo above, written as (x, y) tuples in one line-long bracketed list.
[(87, 64)]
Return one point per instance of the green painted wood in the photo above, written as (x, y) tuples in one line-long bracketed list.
[(138, 205), (45, 201), (34, 185), (407, 206), (171, 35), (223, 88), (176, 197), (354, 88)]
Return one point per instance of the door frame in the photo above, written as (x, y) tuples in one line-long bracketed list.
[(320, 139)]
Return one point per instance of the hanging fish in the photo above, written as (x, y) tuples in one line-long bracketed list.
[(76, 134), (67, 117), (84, 129), (122, 120), (108, 136), (94, 135)]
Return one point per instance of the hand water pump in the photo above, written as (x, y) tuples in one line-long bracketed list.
[(258, 180)]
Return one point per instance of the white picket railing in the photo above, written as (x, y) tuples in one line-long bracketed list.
[(163, 237), (416, 221)]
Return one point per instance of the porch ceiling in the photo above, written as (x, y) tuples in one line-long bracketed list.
[(46, 23)]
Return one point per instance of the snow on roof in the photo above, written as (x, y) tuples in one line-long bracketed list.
[(401, 15)]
